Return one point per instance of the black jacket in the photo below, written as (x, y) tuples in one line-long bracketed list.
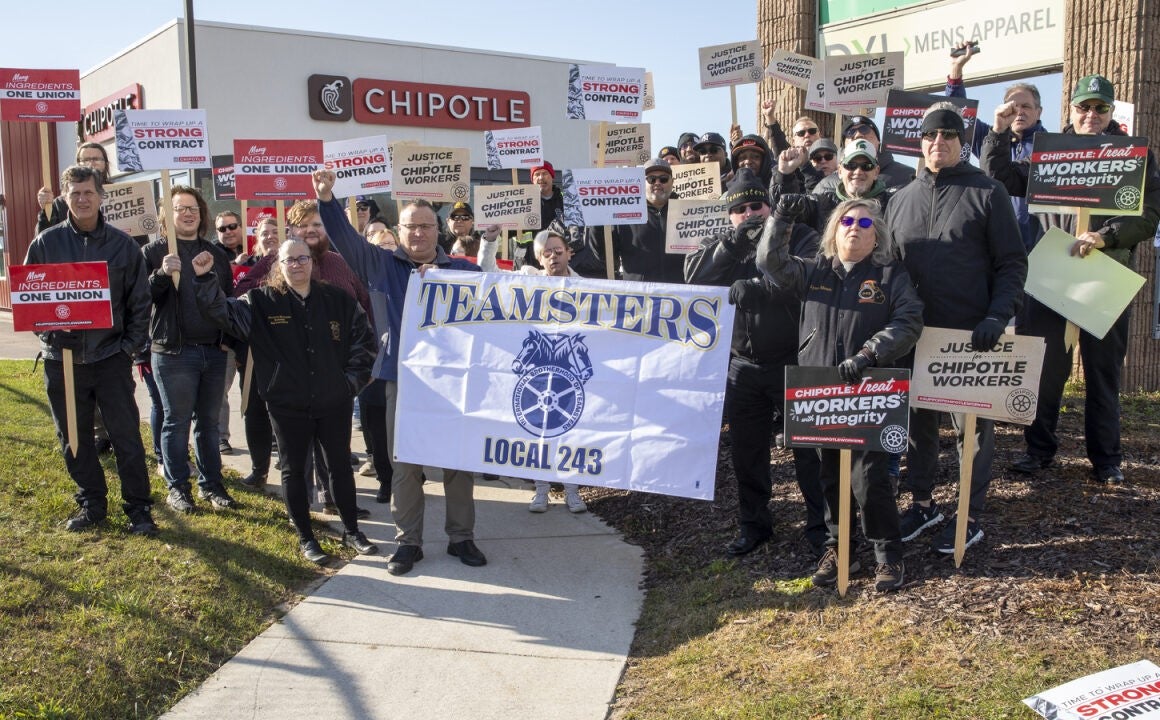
[(310, 357), (819, 206), (165, 327), (128, 287), (957, 234), (765, 324), (640, 249)]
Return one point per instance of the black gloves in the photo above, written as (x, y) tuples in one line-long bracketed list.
[(851, 368), (66, 340), (987, 333), (791, 206), (746, 235)]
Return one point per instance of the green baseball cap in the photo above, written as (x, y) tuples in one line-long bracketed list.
[(1093, 87)]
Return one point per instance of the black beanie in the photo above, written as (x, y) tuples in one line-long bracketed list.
[(746, 187), (942, 119)]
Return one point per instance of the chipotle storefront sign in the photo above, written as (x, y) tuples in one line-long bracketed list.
[(96, 123), (393, 102)]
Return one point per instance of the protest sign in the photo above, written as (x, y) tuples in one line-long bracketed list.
[(650, 99), (736, 63), (40, 95), (791, 68), (130, 207), (824, 411), (438, 174), (597, 382), (604, 196), (605, 92), (509, 206), (360, 165), (276, 169), (816, 90), (1001, 383), (1124, 113), (697, 180), (513, 149), (161, 140), (902, 129), (689, 221), (61, 296), (855, 82), (629, 144), (1127, 691), (1091, 291), (256, 214), (1103, 174), (223, 177)]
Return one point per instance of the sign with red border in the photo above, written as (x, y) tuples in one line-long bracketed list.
[(276, 169), (40, 95), (61, 296)]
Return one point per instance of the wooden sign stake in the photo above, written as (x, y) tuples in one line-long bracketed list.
[(965, 468), (844, 460), (170, 221), (247, 378), (280, 213)]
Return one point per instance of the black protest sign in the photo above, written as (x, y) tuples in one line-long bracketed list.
[(1103, 174), (822, 411), (902, 127), (223, 177)]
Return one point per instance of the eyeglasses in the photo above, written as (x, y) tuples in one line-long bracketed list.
[(1101, 109), (866, 166), (91, 160), (412, 227), (552, 252), (863, 222), (657, 179), (231, 226), (362, 206), (461, 217), (822, 156), (754, 206), (295, 260), (946, 134), (859, 130), (186, 210), (806, 131)]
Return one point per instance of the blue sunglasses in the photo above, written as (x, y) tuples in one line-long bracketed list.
[(863, 222)]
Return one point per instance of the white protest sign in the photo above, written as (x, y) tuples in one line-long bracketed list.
[(856, 82), (161, 140), (816, 90), (1001, 384), (604, 196), (690, 221), (605, 92), (130, 207), (509, 206), (596, 382), (1127, 691), (697, 180), (515, 148), (437, 174), (629, 144), (791, 68), (650, 98), (736, 63), (361, 165), (1124, 113)]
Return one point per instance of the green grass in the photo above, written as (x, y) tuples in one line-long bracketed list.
[(104, 624)]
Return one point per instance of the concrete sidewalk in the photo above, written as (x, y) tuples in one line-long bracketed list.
[(542, 631)]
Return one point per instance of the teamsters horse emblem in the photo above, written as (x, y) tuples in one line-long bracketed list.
[(548, 399)]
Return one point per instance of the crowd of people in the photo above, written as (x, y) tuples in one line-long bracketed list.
[(837, 256)]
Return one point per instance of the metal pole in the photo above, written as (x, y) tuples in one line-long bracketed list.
[(190, 53)]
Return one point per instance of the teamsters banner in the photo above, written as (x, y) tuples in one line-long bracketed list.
[(596, 382)]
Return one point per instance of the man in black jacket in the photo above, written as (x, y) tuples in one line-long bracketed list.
[(102, 358), (640, 249), (955, 230)]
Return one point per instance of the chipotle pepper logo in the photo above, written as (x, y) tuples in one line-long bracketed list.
[(329, 97)]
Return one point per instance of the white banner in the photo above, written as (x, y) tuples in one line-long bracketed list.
[(816, 90), (436, 174), (692, 220), (1127, 691), (629, 144), (604, 196), (736, 63), (594, 382), (161, 140), (509, 206), (605, 92), (861, 81), (697, 180), (515, 148), (361, 165), (791, 68), (130, 207)]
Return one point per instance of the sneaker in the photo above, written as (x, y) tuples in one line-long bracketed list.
[(918, 518), (889, 576), (354, 461), (1108, 475), (180, 500), (141, 522), (313, 552), (539, 502), (254, 480), (574, 502), (330, 508), (359, 542), (827, 573), (218, 498), (368, 469), (83, 520), (1028, 463), (103, 445), (404, 559), (945, 542), (225, 448), (383, 496)]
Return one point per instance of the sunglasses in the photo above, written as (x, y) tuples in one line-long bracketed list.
[(806, 131), (822, 156), (461, 217), (231, 226), (863, 222), (657, 179), (362, 206), (947, 135), (859, 130), (1101, 109), (754, 206), (865, 166)]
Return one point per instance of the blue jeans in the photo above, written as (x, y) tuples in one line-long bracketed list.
[(156, 413), (191, 385)]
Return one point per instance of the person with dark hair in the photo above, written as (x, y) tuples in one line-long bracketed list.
[(189, 364), (231, 234), (102, 359), (387, 274), (859, 310), (551, 206), (312, 348), (461, 229), (687, 147), (751, 151), (89, 154), (365, 209), (712, 148), (670, 154)]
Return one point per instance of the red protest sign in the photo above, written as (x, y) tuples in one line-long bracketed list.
[(40, 95), (61, 296), (276, 169)]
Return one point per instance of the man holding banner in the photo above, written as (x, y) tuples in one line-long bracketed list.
[(102, 358)]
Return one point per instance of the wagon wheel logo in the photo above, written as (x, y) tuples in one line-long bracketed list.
[(62, 312), (755, 74), (548, 399), (642, 156), (649, 103), (893, 438), (1021, 403), (42, 107), (149, 224), (280, 183), (1127, 198), (459, 191), (532, 220)]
